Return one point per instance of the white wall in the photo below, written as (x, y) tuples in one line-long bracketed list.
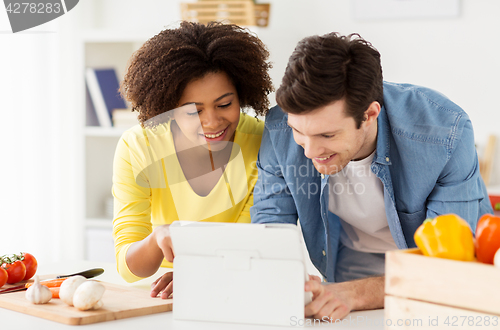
[(30, 161), (456, 56)]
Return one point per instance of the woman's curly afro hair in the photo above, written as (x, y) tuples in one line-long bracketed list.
[(160, 70)]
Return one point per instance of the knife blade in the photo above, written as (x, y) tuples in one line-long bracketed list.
[(86, 273)]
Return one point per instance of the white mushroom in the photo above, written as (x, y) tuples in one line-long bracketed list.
[(88, 295), (98, 304), (496, 258), (68, 288)]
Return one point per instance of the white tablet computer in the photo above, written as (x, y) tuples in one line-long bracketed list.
[(241, 273)]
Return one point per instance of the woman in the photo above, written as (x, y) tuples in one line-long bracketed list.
[(193, 156)]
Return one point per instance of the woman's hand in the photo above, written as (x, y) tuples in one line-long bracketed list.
[(145, 257), (164, 241), (164, 284)]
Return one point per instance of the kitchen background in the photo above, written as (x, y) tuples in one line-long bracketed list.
[(55, 171)]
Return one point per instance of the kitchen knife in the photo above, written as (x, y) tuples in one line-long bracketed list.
[(87, 274)]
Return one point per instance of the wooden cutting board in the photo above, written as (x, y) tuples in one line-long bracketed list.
[(119, 302)]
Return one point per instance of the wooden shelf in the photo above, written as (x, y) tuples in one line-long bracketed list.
[(241, 12)]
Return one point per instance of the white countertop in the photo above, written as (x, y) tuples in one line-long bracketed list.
[(365, 320)]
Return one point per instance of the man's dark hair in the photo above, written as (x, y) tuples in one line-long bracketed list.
[(328, 68), (160, 70)]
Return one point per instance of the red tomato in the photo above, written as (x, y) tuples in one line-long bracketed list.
[(15, 270), (3, 277), (487, 238), (31, 265)]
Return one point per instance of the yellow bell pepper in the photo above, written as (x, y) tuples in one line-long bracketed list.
[(446, 236)]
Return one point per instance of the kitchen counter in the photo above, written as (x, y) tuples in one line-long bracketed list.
[(15, 320)]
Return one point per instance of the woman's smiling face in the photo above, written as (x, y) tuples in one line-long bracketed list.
[(209, 111)]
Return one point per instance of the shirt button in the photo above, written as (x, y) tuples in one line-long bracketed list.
[(387, 159), (322, 176), (324, 253)]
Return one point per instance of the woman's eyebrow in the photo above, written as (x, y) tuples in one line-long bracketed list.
[(196, 103), (199, 103), (223, 96)]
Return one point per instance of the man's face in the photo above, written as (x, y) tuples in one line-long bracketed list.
[(331, 139)]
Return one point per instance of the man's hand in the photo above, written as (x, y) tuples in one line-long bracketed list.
[(164, 285), (328, 300), (337, 300)]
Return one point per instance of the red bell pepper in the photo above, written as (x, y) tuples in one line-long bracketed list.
[(495, 202), (487, 238)]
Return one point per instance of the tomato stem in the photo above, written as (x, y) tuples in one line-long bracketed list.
[(11, 258)]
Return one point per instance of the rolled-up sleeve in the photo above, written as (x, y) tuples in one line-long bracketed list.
[(132, 208), (460, 189)]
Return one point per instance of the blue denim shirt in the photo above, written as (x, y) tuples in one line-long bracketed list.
[(425, 158)]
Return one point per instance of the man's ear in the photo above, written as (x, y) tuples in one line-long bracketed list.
[(371, 114)]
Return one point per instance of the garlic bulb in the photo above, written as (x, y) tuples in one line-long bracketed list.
[(68, 288), (37, 293), (88, 295)]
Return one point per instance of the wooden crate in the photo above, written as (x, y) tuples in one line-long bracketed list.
[(262, 12), (402, 313), (425, 288), (240, 12)]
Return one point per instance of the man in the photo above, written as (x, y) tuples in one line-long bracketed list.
[(362, 163)]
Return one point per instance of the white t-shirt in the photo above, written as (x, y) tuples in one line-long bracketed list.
[(356, 195)]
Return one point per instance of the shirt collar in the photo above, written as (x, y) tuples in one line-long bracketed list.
[(383, 139)]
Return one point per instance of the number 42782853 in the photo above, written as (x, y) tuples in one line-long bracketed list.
[(476, 321), (34, 8)]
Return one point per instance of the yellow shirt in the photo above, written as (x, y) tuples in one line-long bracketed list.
[(150, 189)]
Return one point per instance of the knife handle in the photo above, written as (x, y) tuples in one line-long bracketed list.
[(14, 289), (87, 274)]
